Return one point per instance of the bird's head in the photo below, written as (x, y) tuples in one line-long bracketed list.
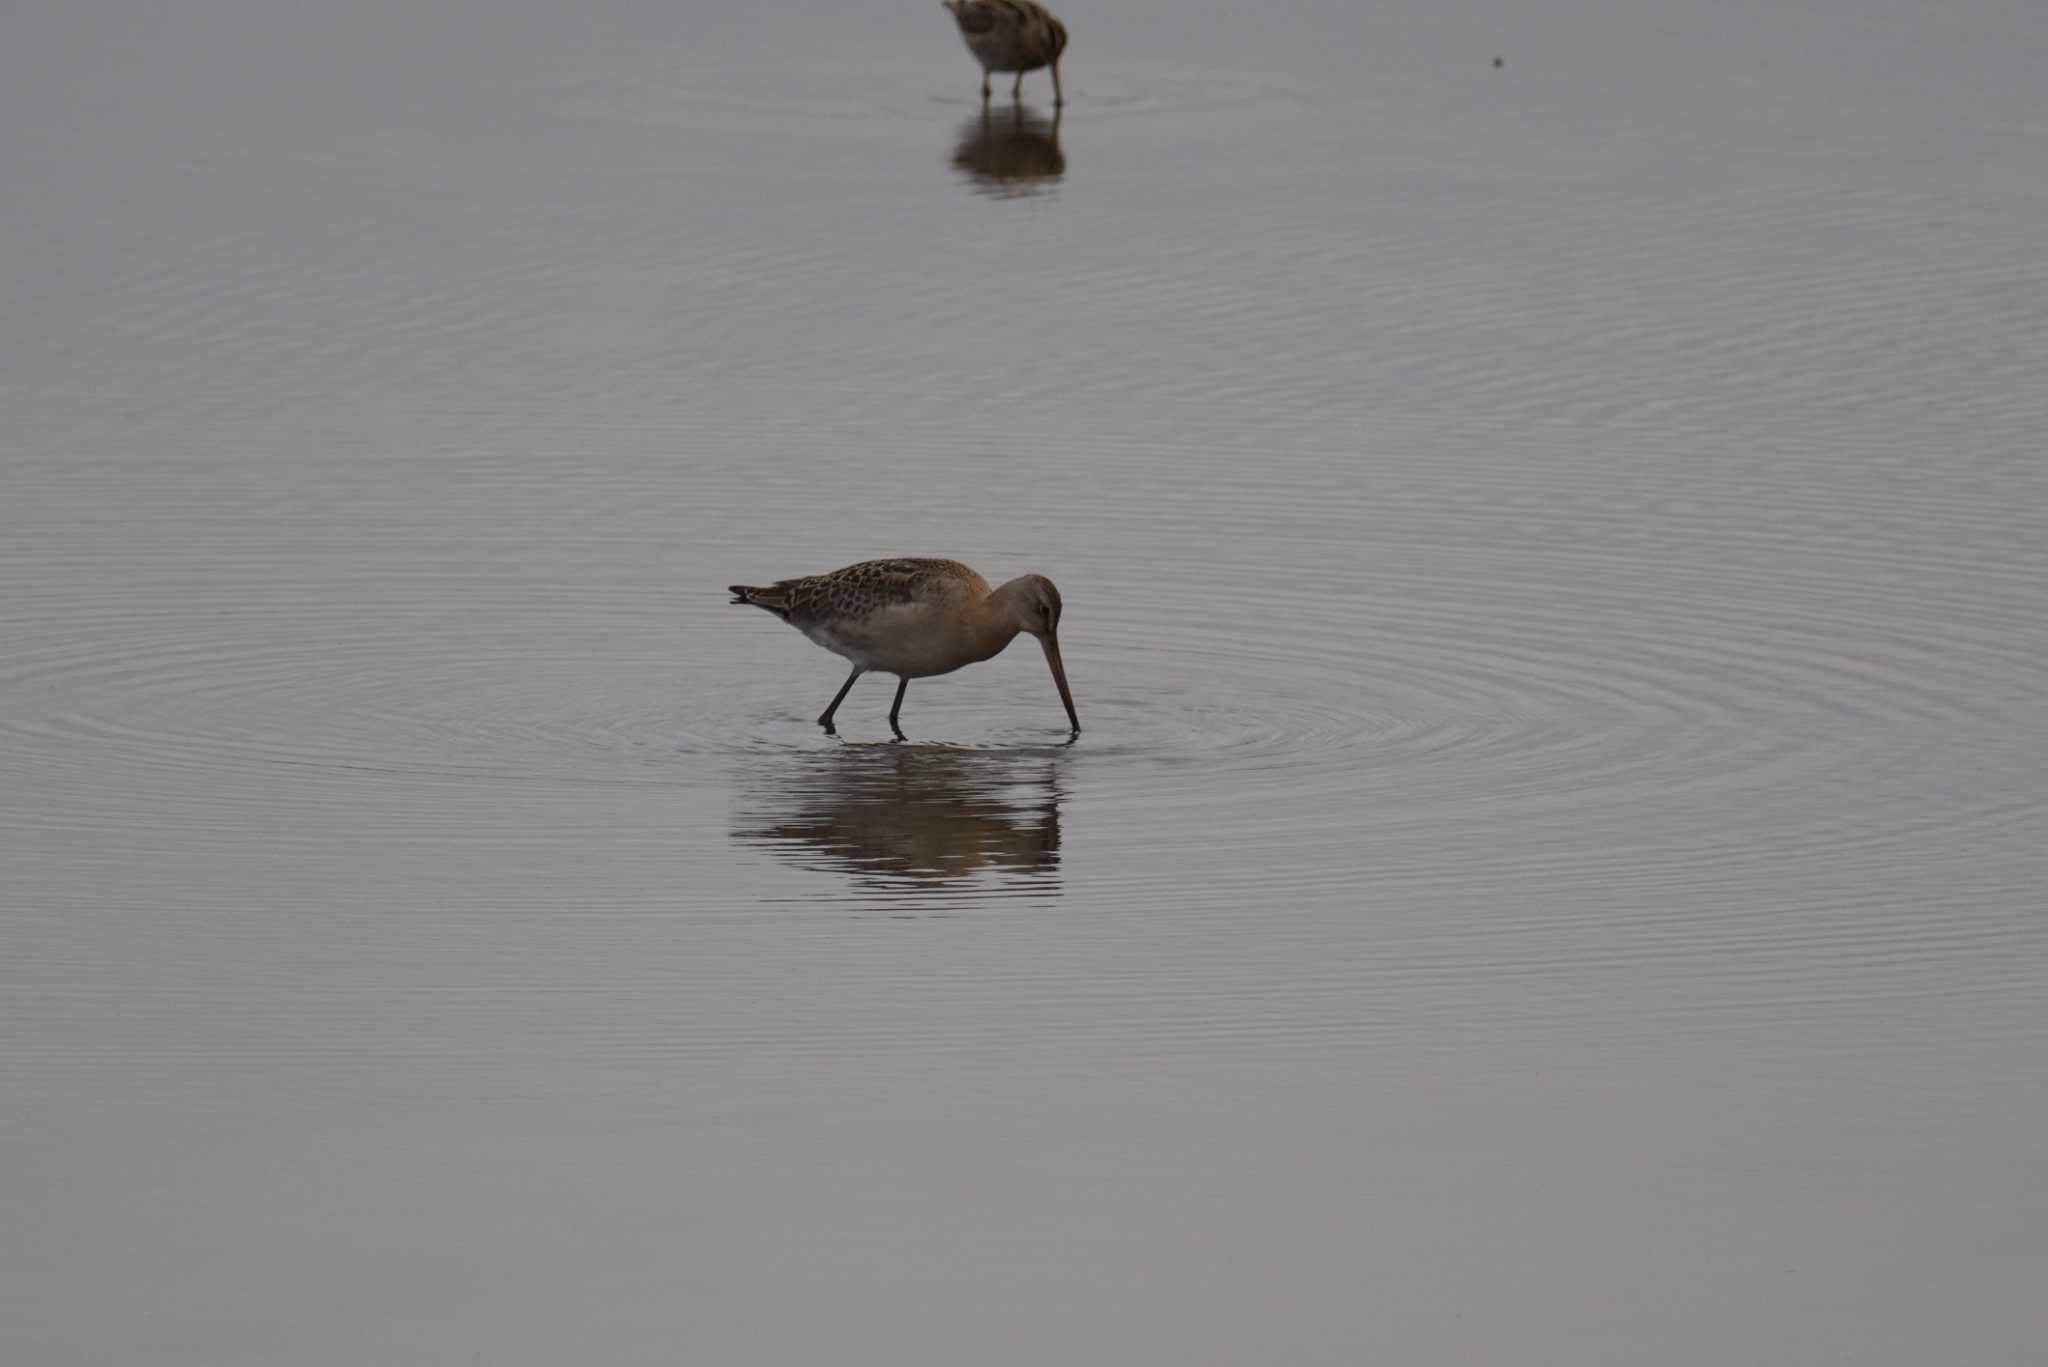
[(1034, 605)]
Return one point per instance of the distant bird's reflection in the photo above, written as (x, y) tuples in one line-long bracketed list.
[(910, 817), (1010, 151)]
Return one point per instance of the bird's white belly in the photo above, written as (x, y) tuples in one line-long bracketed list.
[(899, 640)]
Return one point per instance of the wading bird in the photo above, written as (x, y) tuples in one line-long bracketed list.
[(1011, 35), (915, 618)]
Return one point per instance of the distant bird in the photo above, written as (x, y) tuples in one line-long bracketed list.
[(1011, 35), (915, 618)]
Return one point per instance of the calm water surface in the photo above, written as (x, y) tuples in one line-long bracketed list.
[(1555, 559)]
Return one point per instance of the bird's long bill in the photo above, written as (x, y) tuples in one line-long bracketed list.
[(1059, 676)]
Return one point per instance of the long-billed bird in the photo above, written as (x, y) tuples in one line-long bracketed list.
[(915, 618)]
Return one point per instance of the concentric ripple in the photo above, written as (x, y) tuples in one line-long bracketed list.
[(1422, 667)]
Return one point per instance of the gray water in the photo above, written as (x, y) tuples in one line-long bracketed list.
[(1555, 559)]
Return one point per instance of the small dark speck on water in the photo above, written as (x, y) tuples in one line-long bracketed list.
[(1499, 62)]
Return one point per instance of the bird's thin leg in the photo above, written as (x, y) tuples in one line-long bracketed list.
[(896, 708), (1057, 98), (1017, 90), (984, 85), (845, 688)]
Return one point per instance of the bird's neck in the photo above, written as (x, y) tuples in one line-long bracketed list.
[(1001, 618), (993, 634)]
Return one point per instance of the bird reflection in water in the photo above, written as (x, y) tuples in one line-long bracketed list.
[(909, 818), (1010, 152)]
